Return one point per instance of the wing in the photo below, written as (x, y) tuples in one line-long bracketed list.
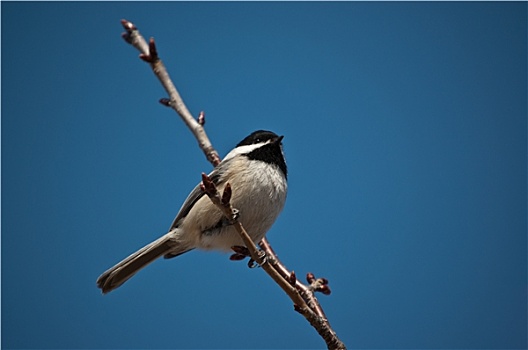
[(197, 193)]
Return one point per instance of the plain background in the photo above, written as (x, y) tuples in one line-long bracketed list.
[(405, 133)]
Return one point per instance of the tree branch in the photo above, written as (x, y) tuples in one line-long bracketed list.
[(302, 295), (149, 54)]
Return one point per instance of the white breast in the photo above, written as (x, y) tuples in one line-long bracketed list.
[(259, 204)]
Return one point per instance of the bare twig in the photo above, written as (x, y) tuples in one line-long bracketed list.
[(302, 296), (148, 53), (307, 292)]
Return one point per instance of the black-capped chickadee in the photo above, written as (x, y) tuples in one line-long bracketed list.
[(257, 172)]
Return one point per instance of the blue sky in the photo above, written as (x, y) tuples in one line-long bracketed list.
[(405, 135)]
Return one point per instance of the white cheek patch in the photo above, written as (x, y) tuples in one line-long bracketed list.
[(243, 150)]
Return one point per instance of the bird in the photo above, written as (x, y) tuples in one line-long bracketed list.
[(257, 173)]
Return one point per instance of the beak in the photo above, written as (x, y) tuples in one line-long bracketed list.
[(278, 139)]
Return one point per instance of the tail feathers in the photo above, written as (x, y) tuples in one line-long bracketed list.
[(122, 271)]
